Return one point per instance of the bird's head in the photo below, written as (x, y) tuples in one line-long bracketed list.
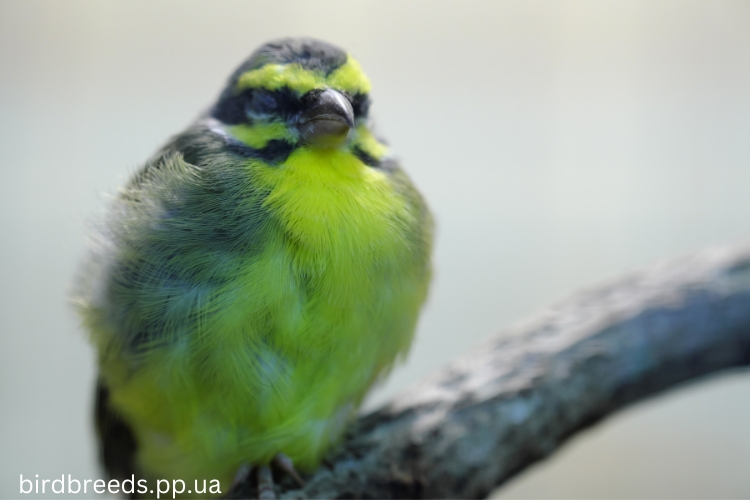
[(299, 92)]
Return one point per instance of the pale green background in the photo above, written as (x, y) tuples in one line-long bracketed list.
[(559, 144)]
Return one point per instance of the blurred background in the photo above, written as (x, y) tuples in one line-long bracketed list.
[(558, 143)]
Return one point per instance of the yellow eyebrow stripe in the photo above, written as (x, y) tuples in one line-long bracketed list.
[(276, 76), (348, 77)]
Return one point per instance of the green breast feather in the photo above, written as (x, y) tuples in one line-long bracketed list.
[(258, 275)]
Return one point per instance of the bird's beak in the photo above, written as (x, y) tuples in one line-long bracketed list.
[(326, 119)]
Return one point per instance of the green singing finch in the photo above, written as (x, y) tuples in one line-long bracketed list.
[(254, 279)]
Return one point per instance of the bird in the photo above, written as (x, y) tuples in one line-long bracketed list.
[(253, 280)]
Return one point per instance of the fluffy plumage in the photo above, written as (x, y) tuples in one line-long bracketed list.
[(248, 287)]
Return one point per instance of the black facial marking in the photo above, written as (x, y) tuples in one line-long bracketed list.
[(274, 152), (232, 110), (263, 102), (360, 105), (365, 158), (282, 103), (386, 164)]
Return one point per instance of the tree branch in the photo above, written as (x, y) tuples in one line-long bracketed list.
[(515, 399)]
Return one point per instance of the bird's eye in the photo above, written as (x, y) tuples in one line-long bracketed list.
[(262, 103)]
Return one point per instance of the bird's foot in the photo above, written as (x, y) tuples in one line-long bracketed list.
[(266, 489), (266, 486), (285, 463), (243, 472)]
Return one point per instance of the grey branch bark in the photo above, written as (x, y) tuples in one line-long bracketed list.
[(515, 399)]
